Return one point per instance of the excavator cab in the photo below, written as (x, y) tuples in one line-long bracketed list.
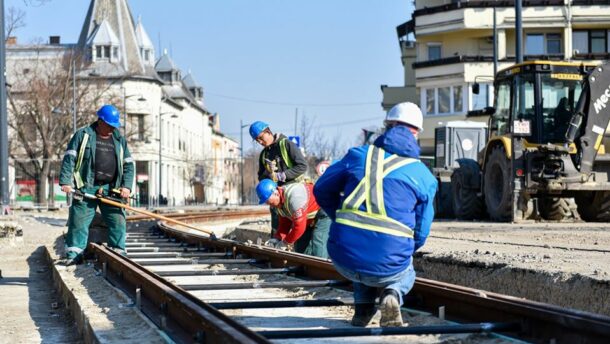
[(545, 146)]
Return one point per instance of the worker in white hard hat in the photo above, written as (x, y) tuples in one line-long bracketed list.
[(407, 114), (380, 198)]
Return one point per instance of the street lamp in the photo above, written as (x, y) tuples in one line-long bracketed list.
[(241, 143), (125, 97), (173, 115)]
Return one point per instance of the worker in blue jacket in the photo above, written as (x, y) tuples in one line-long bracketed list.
[(380, 198)]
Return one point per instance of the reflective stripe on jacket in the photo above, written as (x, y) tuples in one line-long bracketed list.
[(78, 164), (370, 191), (363, 238), (297, 210)]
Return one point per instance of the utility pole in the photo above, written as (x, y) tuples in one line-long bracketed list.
[(296, 117), (3, 119), (495, 45), (241, 161), (519, 31), (73, 94)]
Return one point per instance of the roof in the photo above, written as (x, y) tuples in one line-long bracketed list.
[(189, 81), (142, 37), (103, 35), (165, 64)]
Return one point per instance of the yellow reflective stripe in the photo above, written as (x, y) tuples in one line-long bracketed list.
[(312, 214), (374, 222), (79, 161), (379, 184), (353, 194), (284, 152), (367, 181)]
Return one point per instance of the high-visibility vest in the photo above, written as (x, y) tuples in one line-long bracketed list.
[(284, 210), (79, 161), (370, 192), (283, 150)]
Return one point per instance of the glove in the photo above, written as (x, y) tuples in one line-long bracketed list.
[(272, 242), (280, 176)]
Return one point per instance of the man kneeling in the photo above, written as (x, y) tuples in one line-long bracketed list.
[(380, 198), (301, 221)]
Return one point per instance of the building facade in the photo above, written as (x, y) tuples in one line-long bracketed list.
[(447, 46), (170, 132)]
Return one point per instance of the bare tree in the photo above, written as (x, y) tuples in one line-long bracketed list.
[(318, 145), (40, 120), (14, 20)]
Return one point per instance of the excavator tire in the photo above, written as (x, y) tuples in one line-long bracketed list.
[(554, 208), (466, 204), (497, 185), (594, 206)]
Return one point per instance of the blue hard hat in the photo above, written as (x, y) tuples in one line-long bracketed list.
[(110, 115), (265, 189), (257, 128)]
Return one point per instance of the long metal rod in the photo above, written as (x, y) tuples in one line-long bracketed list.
[(201, 262), (224, 272), (283, 304), (390, 331), (519, 31), (264, 285), (148, 213), (137, 255), (3, 118)]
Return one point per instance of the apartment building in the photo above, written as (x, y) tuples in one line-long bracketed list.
[(447, 45)]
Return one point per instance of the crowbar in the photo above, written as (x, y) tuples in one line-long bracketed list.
[(144, 212)]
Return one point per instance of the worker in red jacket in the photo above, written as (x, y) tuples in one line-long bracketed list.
[(301, 221)]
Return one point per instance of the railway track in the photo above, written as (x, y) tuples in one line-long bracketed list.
[(221, 291)]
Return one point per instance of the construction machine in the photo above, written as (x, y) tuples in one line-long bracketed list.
[(545, 145)]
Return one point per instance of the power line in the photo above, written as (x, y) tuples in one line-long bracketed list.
[(259, 101)]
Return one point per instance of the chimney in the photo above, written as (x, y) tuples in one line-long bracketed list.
[(54, 40), (12, 40)]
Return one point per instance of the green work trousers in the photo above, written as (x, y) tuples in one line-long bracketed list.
[(81, 215), (313, 241), (275, 220)]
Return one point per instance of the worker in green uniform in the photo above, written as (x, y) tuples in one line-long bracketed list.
[(281, 160), (97, 161)]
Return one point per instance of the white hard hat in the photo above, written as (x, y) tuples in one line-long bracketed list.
[(407, 113)]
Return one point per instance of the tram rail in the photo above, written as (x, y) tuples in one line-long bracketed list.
[(176, 309)]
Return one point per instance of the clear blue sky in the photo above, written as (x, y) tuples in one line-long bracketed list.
[(282, 51)]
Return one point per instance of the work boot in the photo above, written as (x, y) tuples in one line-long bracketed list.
[(363, 314), (69, 261), (389, 305)]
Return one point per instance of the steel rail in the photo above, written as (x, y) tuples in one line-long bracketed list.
[(540, 322), (184, 317)]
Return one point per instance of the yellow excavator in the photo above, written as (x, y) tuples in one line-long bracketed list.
[(545, 146)]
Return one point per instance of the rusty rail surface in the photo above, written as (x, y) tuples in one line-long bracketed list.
[(174, 309)]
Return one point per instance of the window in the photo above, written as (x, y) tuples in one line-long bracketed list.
[(458, 99), (580, 41), (553, 43), (430, 101), (598, 41), (115, 52), (434, 51), (444, 100), (499, 120), (146, 55), (106, 51), (541, 44), (98, 52), (534, 44), (481, 100)]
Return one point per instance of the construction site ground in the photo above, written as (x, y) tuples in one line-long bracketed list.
[(560, 263), (565, 264)]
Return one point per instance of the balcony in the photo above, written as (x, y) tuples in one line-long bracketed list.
[(393, 95), (484, 58), (457, 4)]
